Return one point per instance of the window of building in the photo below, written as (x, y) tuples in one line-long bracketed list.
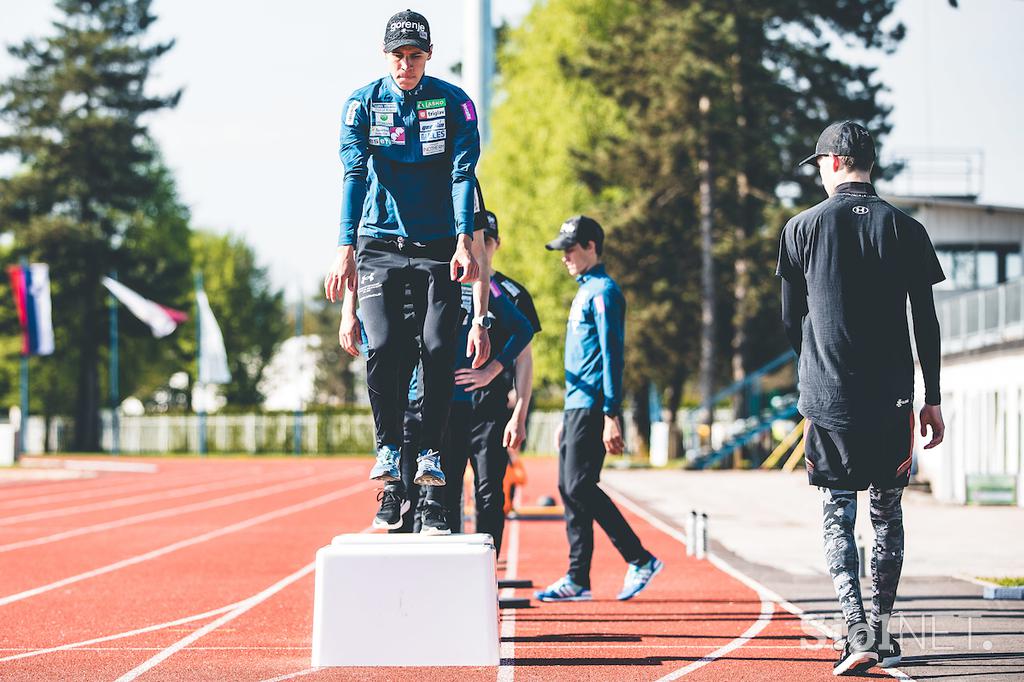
[(971, 266)]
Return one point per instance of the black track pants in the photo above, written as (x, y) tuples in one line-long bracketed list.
[(385, 268)]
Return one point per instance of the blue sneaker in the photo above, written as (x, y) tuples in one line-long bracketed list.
[(428, 468), (563, 589), (386, 466), (638, 577)]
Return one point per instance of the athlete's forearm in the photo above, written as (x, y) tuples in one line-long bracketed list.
[(524, 383), (928, 341), (481, 287), (794, 308)]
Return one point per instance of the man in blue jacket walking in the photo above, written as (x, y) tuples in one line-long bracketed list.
[(409, 143), (594, 358)]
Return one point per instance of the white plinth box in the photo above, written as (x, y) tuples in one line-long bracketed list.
[(406, 600)]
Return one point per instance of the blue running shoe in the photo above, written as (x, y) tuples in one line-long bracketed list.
[(428, 468), (386, 467), (563, 589), (638, 577)]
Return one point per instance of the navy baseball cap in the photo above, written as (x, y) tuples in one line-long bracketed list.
[(576, 230), (407, 28), (844, 138)]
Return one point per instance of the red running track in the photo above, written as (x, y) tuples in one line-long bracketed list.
[(203, 571)]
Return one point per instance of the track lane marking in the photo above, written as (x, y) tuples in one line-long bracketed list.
[(506, 666), (175, 511), (188, 542), (244, 606), (720, 563), (137, 499)]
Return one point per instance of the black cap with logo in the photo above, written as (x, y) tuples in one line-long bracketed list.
[(577, 230), (844, 138), (407, 28)]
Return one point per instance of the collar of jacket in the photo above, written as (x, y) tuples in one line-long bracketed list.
[(592, 272), (857, 188), (393, 86)]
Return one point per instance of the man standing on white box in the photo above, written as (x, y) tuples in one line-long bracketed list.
[(410, 145), (592, 426)]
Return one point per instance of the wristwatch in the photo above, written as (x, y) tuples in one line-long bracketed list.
[(483, 320)]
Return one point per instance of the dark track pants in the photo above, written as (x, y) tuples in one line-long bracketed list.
[(474, 437), (580, 459), (385, 268)]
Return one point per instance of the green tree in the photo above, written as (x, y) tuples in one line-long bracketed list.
[(75, 116), (249, 310), (527, 172)]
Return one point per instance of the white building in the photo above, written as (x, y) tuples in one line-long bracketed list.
[(981, 314)]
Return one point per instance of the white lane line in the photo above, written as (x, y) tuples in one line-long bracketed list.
[(506, 668), (762, 591), (767, 606), (242, 607), (86, 644), (101, 490), (292, 676), (181, 544), (138, 499), (173, 511)]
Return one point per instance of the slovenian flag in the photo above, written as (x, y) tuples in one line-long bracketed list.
[(161, 319), (30, 285)]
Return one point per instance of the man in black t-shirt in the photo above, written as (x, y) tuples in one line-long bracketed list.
[(496, 426), (847, 267)]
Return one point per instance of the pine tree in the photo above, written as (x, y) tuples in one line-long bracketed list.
[(86, 170)]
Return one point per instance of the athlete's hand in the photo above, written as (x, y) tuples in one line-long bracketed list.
[(558, 435), (342, 274), (931, 415), (464, 259), (474, 379), (612, 436), (478, 346), (515, 434), (350, 334)]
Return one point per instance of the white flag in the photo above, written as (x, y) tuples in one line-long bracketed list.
[(213, 359), (161, 319)]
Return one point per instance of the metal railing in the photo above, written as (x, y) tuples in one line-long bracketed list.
[(986, 317)]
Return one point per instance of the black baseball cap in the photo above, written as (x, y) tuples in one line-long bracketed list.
[(407, 28), (577, 230), (490, 225), (845, 138)]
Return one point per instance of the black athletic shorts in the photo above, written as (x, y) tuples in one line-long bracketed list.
[(880, 456)]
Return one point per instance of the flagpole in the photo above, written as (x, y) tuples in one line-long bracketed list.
[(297, 430), (199, 363), (23, 427), (115, 362)]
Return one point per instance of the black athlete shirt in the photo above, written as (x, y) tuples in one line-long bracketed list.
[(848, 265)]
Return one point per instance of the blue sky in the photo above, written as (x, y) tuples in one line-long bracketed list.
[(254, 141)]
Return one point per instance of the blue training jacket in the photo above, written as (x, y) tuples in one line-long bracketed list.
[(509, 323), (595, 343), (405, 153)]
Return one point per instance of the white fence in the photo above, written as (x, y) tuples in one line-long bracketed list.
[(249, 433), (982, 318)]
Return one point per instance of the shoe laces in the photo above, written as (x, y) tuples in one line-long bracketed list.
[(637, 574), (431, 456), (387, 456), (388, 496)]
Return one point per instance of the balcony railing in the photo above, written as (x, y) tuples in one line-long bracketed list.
[(978, 319)]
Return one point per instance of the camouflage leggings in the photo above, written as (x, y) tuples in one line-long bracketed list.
[(840, 513)]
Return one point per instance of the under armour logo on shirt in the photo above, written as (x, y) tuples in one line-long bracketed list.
[(860, 210)]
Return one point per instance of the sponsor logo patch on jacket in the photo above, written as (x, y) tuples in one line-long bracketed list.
[(427, 114), (431, 103), (430, 148), (380, 141), (432, 126), (378, 131), (468, 110), (350, 112), (384, 106), (430, 135), (380, 119), (397, 135)]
